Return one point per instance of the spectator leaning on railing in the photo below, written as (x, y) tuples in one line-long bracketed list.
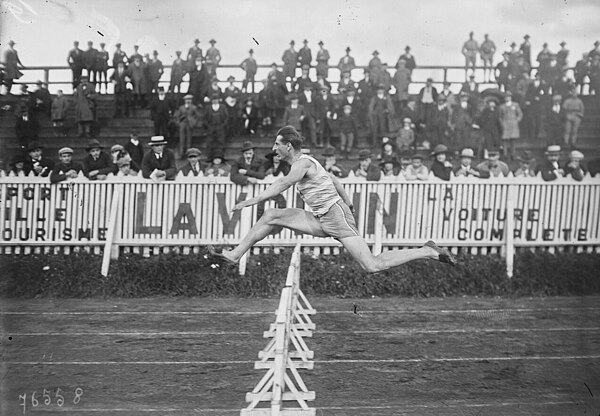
[(217, 165), (248, 169), (366, 169), (574, 166), (441, 167), (65, 168), (493, 165), (526, 169), (97, 164), (193, 165), (550, 168), (159, 163), (36, 163)]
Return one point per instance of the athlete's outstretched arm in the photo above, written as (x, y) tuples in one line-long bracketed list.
[(297, 172), (340, 190)]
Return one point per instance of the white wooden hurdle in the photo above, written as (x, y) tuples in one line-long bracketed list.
[(285, 353)]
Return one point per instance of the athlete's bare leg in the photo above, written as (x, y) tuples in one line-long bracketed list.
[(358, 248), (271, 222)]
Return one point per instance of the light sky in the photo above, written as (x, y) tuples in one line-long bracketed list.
[(436, 29)]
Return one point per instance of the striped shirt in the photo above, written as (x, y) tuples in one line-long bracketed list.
[(318, 192)]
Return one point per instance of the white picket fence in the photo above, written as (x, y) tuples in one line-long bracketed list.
[(134, 214)]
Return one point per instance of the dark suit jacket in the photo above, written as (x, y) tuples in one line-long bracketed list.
[(58, 174), (166, 163), (187, 168), (255, 169), (46, 164), (121, 83), (547, 170), (103, 164)]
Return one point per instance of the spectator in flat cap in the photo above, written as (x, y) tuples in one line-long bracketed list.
[(97, 164), (65, 168), (250, 117), (217, 165), (409, 58), (162, 109), (322, 61), (346, 63), (193, 54), (470, 49), (330, 163), (76, 62), (526, 168), (401, 82), (366, 169), (550, 168), (273, 165), (216, 119), (465, 168), (493, 165), (574, 167), (187, 116), (573, 110), (89, 62), (193, 165), (85, 107), (155, 72), (118, 152), (101, 68), (125, 166), (248, 169), (213, 55), (120, 78), (348, 129), (178, 70), (159, 163), (119, 56), (441, 166), (416, 171), (304, 55), (58, 112), (294, 113), (487, 49), (250, 67), (36, 162)]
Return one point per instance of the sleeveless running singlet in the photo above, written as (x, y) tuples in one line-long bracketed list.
[(318, 193)]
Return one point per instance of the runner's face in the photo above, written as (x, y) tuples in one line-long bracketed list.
[(280, 148)]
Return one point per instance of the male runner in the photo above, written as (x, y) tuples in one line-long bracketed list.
[(331, 214)]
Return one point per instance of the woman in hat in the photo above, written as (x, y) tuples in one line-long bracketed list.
[(275, 166), (17, 165), (526, 169), (441, 167), (217, 166)]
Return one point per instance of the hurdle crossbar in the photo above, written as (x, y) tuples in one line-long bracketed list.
[(285, 353)]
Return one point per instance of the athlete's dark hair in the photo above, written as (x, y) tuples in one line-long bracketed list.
[(290, 135)]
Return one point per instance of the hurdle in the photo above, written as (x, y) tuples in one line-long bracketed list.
[(285, 353)]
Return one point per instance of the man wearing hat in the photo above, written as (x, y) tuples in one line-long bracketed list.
[(543, 59), (135, 55), (381, 109), (470, 50), (124, 166), (427, 98), (162, 109), (193, 165), (217, 165), (574, 166), (550, 168), (216, 119), (562, 55), (408, 58), (294, 113), (331, 214), (300, 83), (119, 56), (85, 106), (465, 168), (159, 163), (525, 50), (573, 110), (326, 115), (250, 117), (155, 71), (76, 62), (389, 166), (525, 169), (290, 62), (17, 165), (346, 63), (490, 125), (97, 164), (304, 55), (322, 61), (441, 166), (101, 68), (401, 81), (200, 80), (375, 66), (510, 116), (250, 67), (231, 91), (493, 165), (416, 171), (65, 168), (139, 82), (187, 117), (366, 169), (487, 49), (248, 169), (35, 162), (89, 62), (213, 55), (178, 70), (310, 129), (12, 64), (43, 99), (135, 148), (330, 163), (193, 54)]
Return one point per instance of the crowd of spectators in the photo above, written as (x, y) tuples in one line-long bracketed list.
[(378, 108)]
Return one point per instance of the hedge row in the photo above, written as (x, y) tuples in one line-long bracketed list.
[(78, 275)]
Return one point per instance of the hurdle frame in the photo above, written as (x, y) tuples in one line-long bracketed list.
[(286, 350)]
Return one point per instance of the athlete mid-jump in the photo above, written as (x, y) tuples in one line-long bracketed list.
[(331, 214)]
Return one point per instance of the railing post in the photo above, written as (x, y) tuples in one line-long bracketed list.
[(46, 75), (509, 232), (109, 251)]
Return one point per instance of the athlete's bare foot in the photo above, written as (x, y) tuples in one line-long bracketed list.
[(441, 254), (221, 255)]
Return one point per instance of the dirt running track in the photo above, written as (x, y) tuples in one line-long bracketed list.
[(394, 356)]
